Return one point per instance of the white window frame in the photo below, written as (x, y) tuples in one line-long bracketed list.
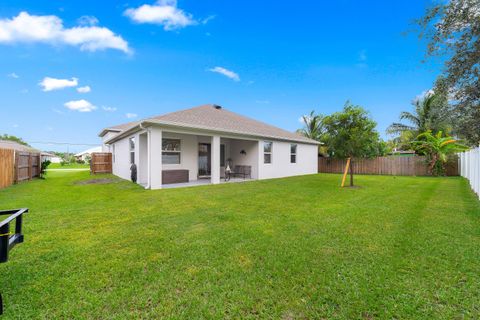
[(173, 151), (265, 152), (293, 153), (132, 150)]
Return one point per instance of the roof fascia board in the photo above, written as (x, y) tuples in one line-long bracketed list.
[(202, 129)]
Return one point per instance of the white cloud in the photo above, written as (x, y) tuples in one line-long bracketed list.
[(80, 105), (15, 125), (307, 117), (58, 111), (425, 94), (87, 21), (163, 12), (131, 115), (13, 75), (50, 84), (26, 28), (109, 109), (227, 73), (84, 89), (207, 19)]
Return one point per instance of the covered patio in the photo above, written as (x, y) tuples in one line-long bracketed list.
[(172, 158), (202, 182)]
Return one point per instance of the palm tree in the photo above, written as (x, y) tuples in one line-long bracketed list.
[(437, 149), (429, 114), (312, 126)]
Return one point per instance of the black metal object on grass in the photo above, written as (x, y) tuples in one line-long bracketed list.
[(9, 239)]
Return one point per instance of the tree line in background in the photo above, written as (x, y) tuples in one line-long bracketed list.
[(445, 120), (8, 137), (67, 157)]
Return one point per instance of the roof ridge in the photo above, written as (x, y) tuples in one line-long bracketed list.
[(216, 118), (182, 110)]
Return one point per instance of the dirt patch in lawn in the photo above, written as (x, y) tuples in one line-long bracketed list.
[(96, 181)]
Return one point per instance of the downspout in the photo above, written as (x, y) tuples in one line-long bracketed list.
[(149, 155)]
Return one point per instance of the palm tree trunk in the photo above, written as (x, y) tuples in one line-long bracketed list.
[(432, 164)]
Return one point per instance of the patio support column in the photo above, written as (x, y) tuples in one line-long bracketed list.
[(215, 164), (260, 159), (155, 157)]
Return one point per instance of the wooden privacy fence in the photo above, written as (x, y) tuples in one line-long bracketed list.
[(7, 167), (17, 166), (470, 168), (101, 162), (27, 166), (394, 165)]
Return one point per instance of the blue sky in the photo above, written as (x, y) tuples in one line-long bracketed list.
[(280, 60)]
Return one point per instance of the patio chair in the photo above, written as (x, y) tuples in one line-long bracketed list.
[(242, 171)]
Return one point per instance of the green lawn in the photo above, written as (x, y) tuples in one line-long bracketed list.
[(68, 166), (296, 248)]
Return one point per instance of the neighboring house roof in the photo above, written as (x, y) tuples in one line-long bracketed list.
[(212, 118), (7, 144), (48, 154), (89, 151)]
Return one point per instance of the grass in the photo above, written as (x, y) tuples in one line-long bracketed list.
[(68, 166), (295, 248)]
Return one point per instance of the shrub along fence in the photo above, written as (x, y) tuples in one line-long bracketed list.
[(393, 165), (17, 166), (101, 162), (470, 168)]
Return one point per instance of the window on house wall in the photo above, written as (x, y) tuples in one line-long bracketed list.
[(293, 153), (131, 142), (267, 151), (171, 151), (222, 155)]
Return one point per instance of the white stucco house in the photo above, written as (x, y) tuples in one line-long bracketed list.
[(87, 154), (197, 144), (50, 157)]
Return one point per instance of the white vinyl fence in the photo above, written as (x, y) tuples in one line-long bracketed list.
[(470, 168)]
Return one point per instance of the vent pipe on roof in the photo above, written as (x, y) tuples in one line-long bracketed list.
[(216, 106)]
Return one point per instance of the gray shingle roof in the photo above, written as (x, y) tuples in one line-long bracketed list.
[(7, 144), (214, 118)]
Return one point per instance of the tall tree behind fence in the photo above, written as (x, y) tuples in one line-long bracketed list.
[(17, 166), (394, 165), (470, 168)]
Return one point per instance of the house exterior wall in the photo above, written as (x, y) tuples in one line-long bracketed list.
[(143, 158), (249, 159), (121, 158), (188, 154), (307, 160), (151, 160), (107, 136)]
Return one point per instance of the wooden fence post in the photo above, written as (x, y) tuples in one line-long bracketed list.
[(30, 166)]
